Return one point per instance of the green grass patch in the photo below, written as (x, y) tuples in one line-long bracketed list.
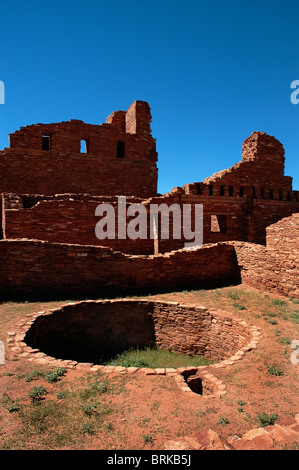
[(156, 358), (265, 419)]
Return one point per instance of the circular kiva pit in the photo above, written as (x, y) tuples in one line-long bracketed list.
[(86, 334)]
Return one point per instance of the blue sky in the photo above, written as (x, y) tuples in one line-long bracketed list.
[(213, 72)]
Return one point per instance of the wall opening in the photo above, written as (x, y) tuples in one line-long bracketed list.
[(218, 223), (211, 190), (46, 145), (120, 151), (241, 191), (231, 191), (271, 194), (222, 188), (262, 193), (83, 146)]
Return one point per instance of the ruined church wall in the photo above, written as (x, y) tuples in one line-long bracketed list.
[(35, 268), (49, 173), (48, 158)]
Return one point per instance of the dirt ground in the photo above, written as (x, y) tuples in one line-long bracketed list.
[(135, 411)]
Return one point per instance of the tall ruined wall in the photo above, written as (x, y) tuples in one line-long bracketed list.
[(257, 184), (48, 159), (262, 166)]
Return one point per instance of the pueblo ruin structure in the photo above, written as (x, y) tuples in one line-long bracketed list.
[(53, 177)]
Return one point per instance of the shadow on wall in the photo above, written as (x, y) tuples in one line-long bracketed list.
[(35, 270)]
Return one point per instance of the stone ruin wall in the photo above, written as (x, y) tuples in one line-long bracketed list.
[(37, 269), (51, 196), (118, 159), (274, 267)]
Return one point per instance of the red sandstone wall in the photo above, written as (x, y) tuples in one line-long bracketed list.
[(262, 165), (43, 268), (26, 168), (275, 267), (68, 219), (49, 173), (71, 218)]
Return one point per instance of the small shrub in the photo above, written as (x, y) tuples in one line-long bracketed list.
[(36, 394), (147, 438), (266, 420), (279, 302), (12, 405), (35, 374), (241, 402), (295, 316), (285, 340), (223, 421), (88, 428), (55, 375), (60, 395), (239, 306), (100, 388), (233, 296), (273, 370), (90, 409)]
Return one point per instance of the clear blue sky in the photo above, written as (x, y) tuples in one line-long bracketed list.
[(212, 71)]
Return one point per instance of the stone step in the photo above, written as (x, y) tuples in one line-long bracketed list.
[(285, 431)]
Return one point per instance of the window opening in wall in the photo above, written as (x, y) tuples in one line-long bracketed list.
[(231, 191), (241, 191), (253, 192), (211, 190), (271, 194), (222, 190), (46, 142), (262, 193), (288, 196), (83, 146), (120, 152), (280, 195), (218, 223), (198, 188)]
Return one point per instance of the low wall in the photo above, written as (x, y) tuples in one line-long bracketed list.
[(33, 268), (275, 267)]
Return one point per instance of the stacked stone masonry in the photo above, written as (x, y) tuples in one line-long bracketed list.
[(50, 188)]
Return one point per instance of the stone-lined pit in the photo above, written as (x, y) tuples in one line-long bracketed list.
[(95, 331), (77, 332)]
